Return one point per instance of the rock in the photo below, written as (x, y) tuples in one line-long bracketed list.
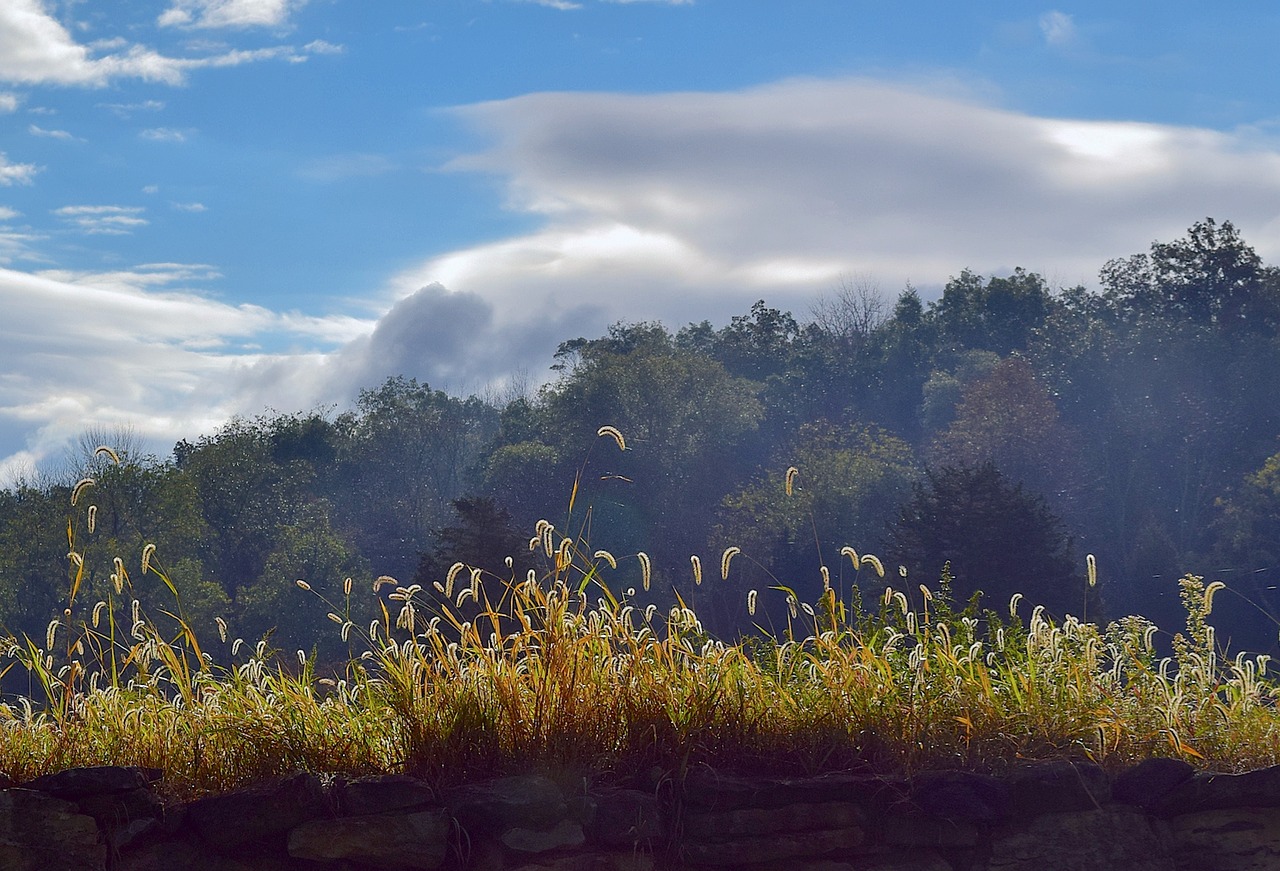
[(1115, 837), (382, 793), (625, 818), (1147, 783), (710, 789), (1204, 792), (178, 853), (961, 795), (1057, 786), (567, 834), (114, 811), (726, 825), (75, 783), (527, 801), (41, 833), (409, 840), (776, 848), (1233, 839), (919, 831), (264, 812)]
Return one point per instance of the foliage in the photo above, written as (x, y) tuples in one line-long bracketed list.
[(996, 537)]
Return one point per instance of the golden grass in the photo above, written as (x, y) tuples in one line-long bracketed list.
[(556, 669)]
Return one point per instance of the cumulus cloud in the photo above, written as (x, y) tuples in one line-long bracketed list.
[(229, 13), (678, 207), (138, 347), (35, 48), (777, 190), (16, 173), (8, 103)]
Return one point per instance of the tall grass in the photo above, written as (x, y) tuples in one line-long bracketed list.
[(559, 669)]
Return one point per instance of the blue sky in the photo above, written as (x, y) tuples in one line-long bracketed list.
[(212, 207)]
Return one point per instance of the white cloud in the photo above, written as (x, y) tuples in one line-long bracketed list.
[(163, 134), (688, 206), (8, 214), (135, 347), (229, 13), (16, 173), (49, 134), (127, 110), (8, 102), (103, 220), (35, 48), (189, 207), (1058, 28), (319, 46), (671, 206)]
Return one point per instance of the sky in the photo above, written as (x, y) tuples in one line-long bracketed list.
[(212, 208)]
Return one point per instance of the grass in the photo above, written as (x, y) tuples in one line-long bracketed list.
[(555, 670)]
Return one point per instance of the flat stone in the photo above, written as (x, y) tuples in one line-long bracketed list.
[(383, 793), (264, 812), (961, 795), (526, 801), (775, 848), (75, 783), (566, 835), (1147, 783), (41, 833), (1205, 791), (1057, 786), (624, 818), (409, 840), (173, 854), (1231, 839), (1116, 837), (920, 831), (729, 824)]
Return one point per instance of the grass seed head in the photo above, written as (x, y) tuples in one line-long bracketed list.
[(613, 433), (725, 559)]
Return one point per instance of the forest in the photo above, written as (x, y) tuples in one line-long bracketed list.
[(1001, 434)]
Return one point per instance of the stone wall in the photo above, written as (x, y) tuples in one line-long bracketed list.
[(1160, 815)]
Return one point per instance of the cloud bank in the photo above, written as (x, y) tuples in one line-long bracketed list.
[(677, 207), (35, 48)]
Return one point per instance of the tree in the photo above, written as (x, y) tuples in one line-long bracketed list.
[(483, 536), (1007, 418), (848, 482), (407, 454), (685, 419), (274, 607), (1210, 277), (1000, 315), (998, 538)]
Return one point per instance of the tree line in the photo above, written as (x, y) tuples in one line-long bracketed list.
[(1004, 431)]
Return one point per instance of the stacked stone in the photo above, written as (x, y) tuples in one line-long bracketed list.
[(1047, 816)]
